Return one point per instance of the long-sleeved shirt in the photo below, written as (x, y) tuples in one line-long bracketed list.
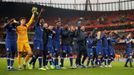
[(65, 37), (81, 37), (11, 32), (56, 37), (45, 36), (38, 32), (89, 42), (22, 31)]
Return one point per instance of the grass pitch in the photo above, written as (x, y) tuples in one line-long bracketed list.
[(117, 69)]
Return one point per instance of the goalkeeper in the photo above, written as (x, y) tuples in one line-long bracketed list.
[(22, 40)]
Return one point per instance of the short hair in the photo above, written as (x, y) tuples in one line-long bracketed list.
[(22, 18)]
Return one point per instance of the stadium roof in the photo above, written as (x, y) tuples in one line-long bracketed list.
[(93, 5), (68, 1)]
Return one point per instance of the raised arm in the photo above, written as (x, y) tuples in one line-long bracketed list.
[(93, 33), (38, 18), (31, 20), (11, 22)]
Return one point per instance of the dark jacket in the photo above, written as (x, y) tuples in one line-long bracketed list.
[(71, 37), (65, 37), (81, 37), (45, 36)]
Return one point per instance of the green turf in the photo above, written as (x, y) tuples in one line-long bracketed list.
[(117, 69)]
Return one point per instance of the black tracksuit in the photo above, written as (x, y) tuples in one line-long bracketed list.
[(81, 42), (66, 41), (45, 41), (65, 36)]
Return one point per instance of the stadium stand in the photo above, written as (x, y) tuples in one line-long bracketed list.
[(110, 20)]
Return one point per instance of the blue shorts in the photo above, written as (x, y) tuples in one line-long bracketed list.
[(99, 50), (111, 51), (11, 46), (90, 52), (129, 51), (66, 49), (105, 52), (38, 45), (57, 46), (50, 50)]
